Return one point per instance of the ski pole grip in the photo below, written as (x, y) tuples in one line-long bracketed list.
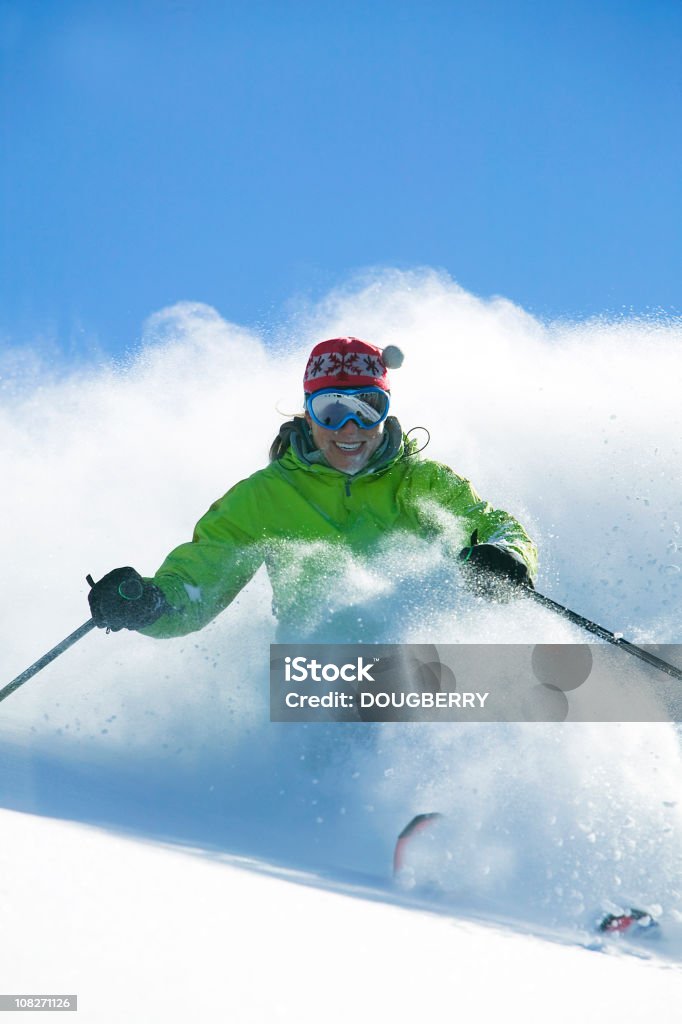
[(131, 589)]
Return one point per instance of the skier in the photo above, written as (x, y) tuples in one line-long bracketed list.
[(341, 477)]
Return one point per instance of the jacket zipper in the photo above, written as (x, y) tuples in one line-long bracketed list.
[(347, 487)]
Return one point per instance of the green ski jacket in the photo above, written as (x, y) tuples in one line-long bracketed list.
[(301, 518)]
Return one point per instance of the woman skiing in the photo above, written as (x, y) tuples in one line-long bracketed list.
[(342, 478)]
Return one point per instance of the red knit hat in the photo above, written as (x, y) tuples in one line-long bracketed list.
[(350, 363)]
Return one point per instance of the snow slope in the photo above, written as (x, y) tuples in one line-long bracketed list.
[(143, 933), (170, 742)]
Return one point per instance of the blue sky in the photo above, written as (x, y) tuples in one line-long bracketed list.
[(243, 154)]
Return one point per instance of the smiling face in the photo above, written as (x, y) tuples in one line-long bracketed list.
[(348, 449)]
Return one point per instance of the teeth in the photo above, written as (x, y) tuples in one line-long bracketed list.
[(349, 447)]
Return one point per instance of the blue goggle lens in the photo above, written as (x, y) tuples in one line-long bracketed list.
[(333, 409)]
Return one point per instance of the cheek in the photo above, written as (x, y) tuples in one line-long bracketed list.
[(322, 438), (317, 434)]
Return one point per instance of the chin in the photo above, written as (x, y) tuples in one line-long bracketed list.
[(353, 464)]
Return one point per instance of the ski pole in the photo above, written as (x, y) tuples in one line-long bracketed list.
[(67, 642), (605, 634), (47, 658)]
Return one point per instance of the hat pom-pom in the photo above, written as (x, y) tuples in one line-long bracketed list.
[(392, 357)]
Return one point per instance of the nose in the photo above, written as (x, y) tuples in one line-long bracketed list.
[(349, 429)]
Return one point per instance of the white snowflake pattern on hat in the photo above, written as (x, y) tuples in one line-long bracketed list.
[(343, 364)]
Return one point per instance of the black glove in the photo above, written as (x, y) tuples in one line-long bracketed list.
[(123, 600), (487, 566)]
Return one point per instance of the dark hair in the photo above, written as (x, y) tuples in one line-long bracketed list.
[(283, 439)]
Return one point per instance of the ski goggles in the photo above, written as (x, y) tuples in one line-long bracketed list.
[(333, 409)]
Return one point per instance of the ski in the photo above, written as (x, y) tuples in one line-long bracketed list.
[(418, 824), (629, 921)]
